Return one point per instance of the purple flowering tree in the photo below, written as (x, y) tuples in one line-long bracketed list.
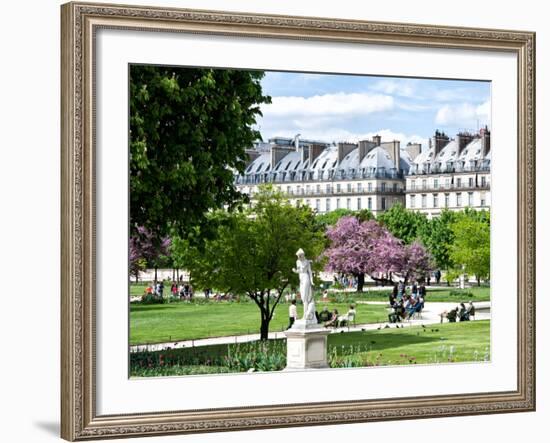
[(368, 248), (145, 248)]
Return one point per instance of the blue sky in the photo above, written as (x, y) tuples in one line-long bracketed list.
[(332, 107)]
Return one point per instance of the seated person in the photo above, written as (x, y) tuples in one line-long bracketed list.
[(463, 313), (397, 313), (325, 315), (345, 319), (333, 318)]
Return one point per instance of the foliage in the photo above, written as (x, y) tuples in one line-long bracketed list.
[(369, 248), (254, 251), (189, 129), (404, 224), (438, 237), (471, 246), (146, 248)]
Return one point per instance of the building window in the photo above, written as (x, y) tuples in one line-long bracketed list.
[(359, 187), (459, 199), (482, 199), (471, 182), (308, 189), (383, 187), (424, 184), (307, 202), (318, 189), (318, 205), (458, 182), (369, 203), (423, 200), (435, 201), (338, 188), (327, 205), (383, 203), (349, 187), (369, 187), (348, 203), (413, 184), (447, 198), (395, 187), (483, 181), (288, 191), (413, 201), (359, 204), (328, 189), (470, 199), (448, 183), (436, 183), (337, 203)]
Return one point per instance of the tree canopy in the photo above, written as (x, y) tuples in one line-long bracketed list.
[(254, 251), (189, 128)]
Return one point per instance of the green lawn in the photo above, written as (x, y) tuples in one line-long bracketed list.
[(184, 321), (439, 294), (443, 343)]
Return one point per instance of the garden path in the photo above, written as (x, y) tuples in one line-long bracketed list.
[(430, 316)]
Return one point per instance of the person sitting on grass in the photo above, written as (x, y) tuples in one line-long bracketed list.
[(325, 315), (333, 319)]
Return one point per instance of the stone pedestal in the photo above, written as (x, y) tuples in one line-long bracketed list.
[(306, 346)]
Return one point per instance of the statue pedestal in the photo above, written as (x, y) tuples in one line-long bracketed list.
[(306, 346)]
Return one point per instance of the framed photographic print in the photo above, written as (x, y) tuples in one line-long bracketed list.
[(284, 221)]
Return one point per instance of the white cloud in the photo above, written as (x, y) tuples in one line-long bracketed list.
[(464, 115), (402, 88), (328, 105)]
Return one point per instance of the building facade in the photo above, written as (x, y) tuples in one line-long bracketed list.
[(451, 174), (365, 175), (373, 174)]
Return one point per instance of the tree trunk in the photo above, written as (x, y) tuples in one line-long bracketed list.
[(478, 281), (360, 282), (264, 329)]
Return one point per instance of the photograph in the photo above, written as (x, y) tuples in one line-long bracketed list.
[(306, 221)]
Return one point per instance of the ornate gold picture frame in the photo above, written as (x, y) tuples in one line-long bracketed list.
[(80, 22)]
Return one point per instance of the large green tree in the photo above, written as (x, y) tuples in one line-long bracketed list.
[(189, 128), (438, 236), (471, 245), (404, 224), (254, 251)]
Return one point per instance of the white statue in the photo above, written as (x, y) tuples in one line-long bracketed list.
[(303, 269)]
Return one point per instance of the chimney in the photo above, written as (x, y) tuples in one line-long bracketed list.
[(463, 139), (365, 146), (314, 151), (344, 149), (440, 141), (278, 153), (485, 140), (414, 149), (377, 140), (393, 150), (251, 155)]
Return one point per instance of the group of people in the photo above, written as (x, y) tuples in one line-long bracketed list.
[(460, 313), (325, 317), (404, 305), (183, 290)]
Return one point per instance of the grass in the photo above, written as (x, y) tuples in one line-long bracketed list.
[(439, 294), (444, 343), (185, 321)]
